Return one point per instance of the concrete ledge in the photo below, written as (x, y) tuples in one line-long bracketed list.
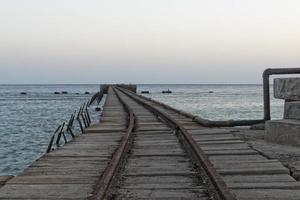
[(287, 88), (285, 131), (292, 110)]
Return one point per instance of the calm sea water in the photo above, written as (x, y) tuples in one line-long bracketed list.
[(28, 121), (226, 101)]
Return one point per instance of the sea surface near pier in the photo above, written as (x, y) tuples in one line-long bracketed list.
[(28, 121)]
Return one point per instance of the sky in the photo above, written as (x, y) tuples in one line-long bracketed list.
[(146, 41)]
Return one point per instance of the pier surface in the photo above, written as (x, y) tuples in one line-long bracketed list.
[(166, 156)]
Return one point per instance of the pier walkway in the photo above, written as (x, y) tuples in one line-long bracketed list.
[(142, 149)]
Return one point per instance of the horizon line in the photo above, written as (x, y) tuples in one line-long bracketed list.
[(131, 83)]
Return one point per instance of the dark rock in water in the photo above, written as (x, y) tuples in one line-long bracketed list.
[(98, 109), (211, 92), (167, 91), (56, 93), (23, 93), (145, 92), (86, 93), (64, 92)]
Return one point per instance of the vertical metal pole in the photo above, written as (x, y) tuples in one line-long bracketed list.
[(88, 115), (71, 132), (80, 124), (82, 116), (266, 86), (266, 92), (52, 139), (65, 138), (69, 127), (59, 134), (84, 120), (79, 121), (73, 118), (87, 119)]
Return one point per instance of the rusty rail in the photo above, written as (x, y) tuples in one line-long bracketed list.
[(106, 180), (201, 158)]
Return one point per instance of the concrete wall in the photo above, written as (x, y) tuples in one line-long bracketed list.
[(287, 130), (287, 88)]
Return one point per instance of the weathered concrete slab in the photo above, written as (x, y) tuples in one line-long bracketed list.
[(210, 131), (160, 174), (157, 152), (258, 178), (241, 158), (45, 191), (285, 131), (238, 163), (215, 138), (54, 179), (292, 110), (287, 88), (151, 133), (160, 179), (271, 185), (152, 127), (253, 171), (250, 168), (230, 152), (226, 147), (162, 194), (267, 194)]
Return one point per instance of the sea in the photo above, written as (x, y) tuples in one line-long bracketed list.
[(27, 121)]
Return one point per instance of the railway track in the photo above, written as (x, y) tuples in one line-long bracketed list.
[(172, 156), (162, 163)]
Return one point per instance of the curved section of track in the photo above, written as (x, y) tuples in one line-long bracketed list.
[(106, 180), (189, 145), (171, 156), (247, 173), (157, 166)]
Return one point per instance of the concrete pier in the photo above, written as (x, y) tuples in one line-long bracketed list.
[(160, 163)]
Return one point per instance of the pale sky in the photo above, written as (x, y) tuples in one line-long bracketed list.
[(146, 41)]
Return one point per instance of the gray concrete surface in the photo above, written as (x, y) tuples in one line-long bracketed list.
[(286, 131), (287, 88), (292, 110), (288, 155)]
